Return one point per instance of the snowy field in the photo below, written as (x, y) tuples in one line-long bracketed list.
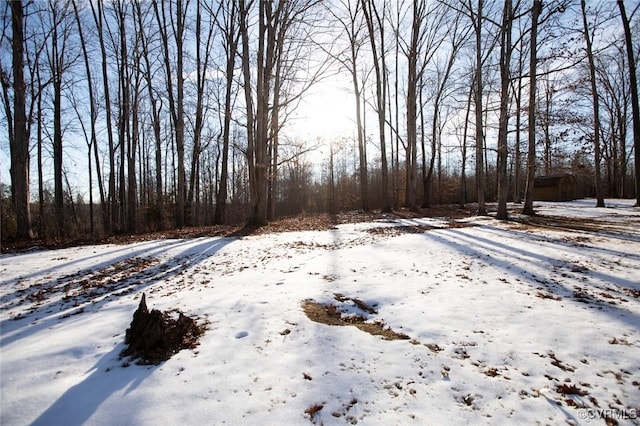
[(521, 322)]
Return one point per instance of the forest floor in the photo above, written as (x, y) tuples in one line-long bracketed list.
[(401, 318), (304, 222)]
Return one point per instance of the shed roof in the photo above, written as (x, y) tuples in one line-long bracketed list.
[(552, 179)]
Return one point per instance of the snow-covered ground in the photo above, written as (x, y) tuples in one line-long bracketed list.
[(510, 323)]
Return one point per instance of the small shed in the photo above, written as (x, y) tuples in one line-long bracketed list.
[(555, 187)]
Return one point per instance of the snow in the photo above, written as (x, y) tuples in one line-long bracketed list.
[(512, 311)]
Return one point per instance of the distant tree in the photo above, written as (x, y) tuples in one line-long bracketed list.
[(352, 27), (614, 93), (457, 35)]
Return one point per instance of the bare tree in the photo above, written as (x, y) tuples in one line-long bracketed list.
[(203, 46), (352, 27), (414, 75), (174, 25), (20, 142), (505, 75), (156, 107), (374, 19), (531, 153), (596, 105), (276, 24), (477, 20), (97, 10), (227, 21), (457, 36), (92, 143), (59, 61), (635, 108), (614, 95)]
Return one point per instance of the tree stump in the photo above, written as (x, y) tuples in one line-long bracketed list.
[(154, 336)]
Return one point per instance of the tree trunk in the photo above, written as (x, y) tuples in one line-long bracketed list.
[(202, 66), (231, 35), (379, 64), (517, 196), (480, 172), (635, 108), (531, 153), (20, 142), (412, 116), (596, 108), (155, 121), (505, 61), (92, 143), (463, 167), (56, 77), (176, 100), (110, 212)]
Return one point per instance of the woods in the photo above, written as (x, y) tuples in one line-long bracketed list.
[(127, 116)]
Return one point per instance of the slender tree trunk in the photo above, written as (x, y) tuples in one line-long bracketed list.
[(176, 100), (246, 72), (412, 116), (505, 61), (56, 77), (364, 189), (110, 213), (517, 196), (155, 120), (480, 172), (379, 64), (463, 168), (93, 139), (274, 132), (635, 108), (596, 108), (231, 35), (531, 153), (395, 165), (179, 118), (202, 66), (39, 138)]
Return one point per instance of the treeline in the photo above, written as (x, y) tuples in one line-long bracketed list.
[(177, 113)]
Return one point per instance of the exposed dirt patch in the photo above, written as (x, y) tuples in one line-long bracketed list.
[(331, 314)]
